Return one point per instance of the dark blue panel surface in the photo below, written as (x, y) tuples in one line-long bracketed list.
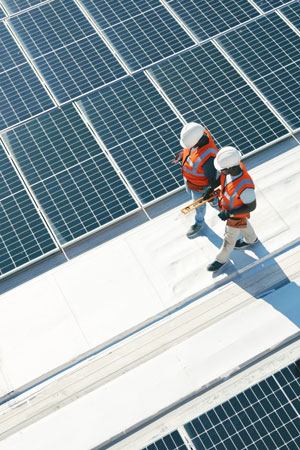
[(145, 37), (23, 235), (79, 68), (70, 55), (1, 13), (22, 96), (140, 131), (211, 17), (267, 5), (14, 6), (50, 27), (268, 51), (73, 181), (172, 441), (205, 87), (10, 54), (292, 13), (112, 12), (262, 417)]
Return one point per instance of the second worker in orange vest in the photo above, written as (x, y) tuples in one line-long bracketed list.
[(236, 201), (197, 165)]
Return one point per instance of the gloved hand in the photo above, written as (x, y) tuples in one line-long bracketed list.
[(178, 157), (207, 192), (224, 214)]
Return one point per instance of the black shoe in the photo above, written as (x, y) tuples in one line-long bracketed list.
[(194, 230), (216, 265), (240, 243)]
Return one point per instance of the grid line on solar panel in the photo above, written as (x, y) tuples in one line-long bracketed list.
[(263, 416), (140, 131), (65, 48), (268, 52), (292, 13), (144, 37), (211, 17), (219, 98), (72, 180)]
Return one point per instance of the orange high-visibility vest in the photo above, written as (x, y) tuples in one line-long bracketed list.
[(193, 160), (229, 195)]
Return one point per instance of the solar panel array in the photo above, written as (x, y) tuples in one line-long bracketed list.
[(266, 416), (94, 95)]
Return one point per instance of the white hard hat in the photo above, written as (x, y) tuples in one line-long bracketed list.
[(190, 134), (227, 157)]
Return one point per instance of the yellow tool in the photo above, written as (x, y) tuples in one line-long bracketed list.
[(198, 202)]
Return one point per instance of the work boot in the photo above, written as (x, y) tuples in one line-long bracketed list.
[(216, 265), (194, 230), (240, 243)]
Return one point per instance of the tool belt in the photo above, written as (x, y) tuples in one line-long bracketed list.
[(237, 222), (195, 187)]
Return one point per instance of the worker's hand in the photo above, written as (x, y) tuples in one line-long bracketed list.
[(207, 192), (178, 157), (224, 214)]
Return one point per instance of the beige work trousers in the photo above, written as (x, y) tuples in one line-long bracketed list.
[(230, 237)]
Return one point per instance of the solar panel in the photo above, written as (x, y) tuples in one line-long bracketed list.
[(267, 5), (141, 133), (10, 54), (73, 181), (172, 441), (265, 416), (292, 13), (210, 17), (70, 55), (22, 94), (204, 87), (141, 32), (24, 236), (14, 6), (268, 51)]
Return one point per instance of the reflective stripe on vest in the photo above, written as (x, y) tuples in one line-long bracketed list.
[(198, 162), (232, 201)]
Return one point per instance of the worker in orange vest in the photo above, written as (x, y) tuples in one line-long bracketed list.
[(236, 201), (198, 170)]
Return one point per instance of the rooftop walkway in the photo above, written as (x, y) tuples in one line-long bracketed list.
[(139, 321)]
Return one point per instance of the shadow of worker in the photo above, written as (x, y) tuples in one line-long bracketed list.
[(258, 273)]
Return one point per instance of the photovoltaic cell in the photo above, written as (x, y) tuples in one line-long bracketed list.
[(14, 6), (70, 55), (23, 236), (211, 17), (73, 181), (292, 13), (143, 38), (267, 5), (268, 51), (171, 441), (141, 133), (265, 416), (204, 87)]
